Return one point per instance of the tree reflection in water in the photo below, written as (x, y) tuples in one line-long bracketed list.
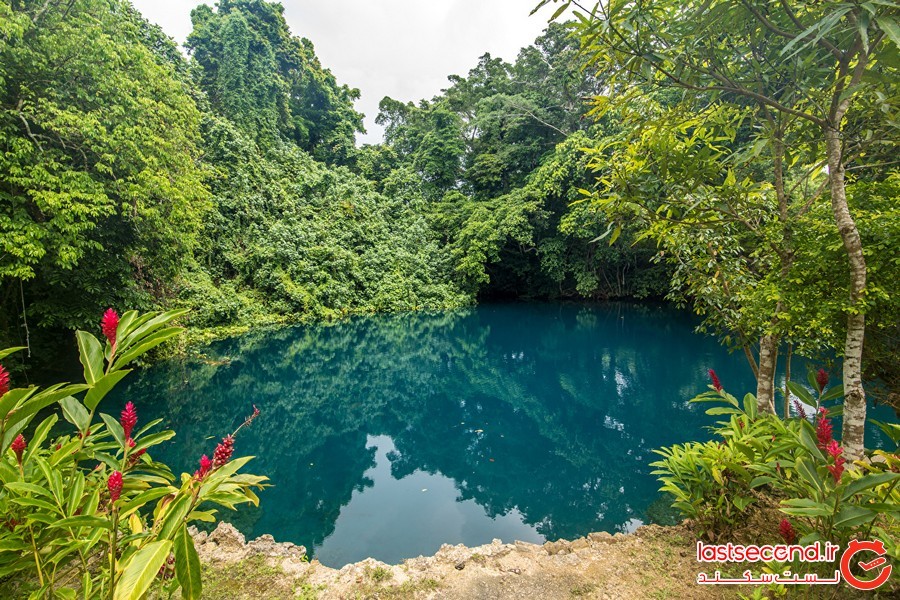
[(544, 413)]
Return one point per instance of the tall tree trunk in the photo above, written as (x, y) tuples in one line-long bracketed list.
[(787, 380), (853, 435), (765, 382)]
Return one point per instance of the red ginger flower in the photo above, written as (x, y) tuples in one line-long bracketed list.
[(715, 380), (114, 485), (129, 419), (205, 466), (798, 408), (822, 379), (824, 430), (787, 531), (108, 324), (4, 380), (18, 446), (837, 469), (223, 451), (834, 449)]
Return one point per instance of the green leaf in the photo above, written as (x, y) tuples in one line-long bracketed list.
[(853, 516), (40, 434), (187, 565), (91, 355), (761, 480), (808, 471), (28, 488), (145, 345), (890, 27), (809, 442), (174, 516), (83, 521), (802, 393), (892, 430), (750, 406), (7, 351), (833, 394), (140, 570), (103, 387), (114, 428), (742, 502), (75, 413), (868, 481), (145, 497), (154, 439), (14, 397)]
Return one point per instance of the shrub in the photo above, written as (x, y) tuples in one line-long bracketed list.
[(91, 510), (791, 460)]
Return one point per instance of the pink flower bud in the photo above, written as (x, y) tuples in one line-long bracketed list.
[(715, 380), (109, 324), (223, 451), (787, 531), (18, 446), (822, 379), (114, 485), (205, 466), (4, 381), (128, 419)]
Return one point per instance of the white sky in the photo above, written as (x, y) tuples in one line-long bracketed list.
[(399, 48)]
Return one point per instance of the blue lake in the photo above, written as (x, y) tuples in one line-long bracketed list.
[(387, 436)]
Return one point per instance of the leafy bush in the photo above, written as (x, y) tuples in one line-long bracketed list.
[(91, 509), (791, 460)]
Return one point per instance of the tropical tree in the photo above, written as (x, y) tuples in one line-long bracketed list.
[(833, 62)]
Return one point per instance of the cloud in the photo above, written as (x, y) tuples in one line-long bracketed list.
[(399, 48)]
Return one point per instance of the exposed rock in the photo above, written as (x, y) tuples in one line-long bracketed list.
[(227, 544), (601, 565), (558, 547)]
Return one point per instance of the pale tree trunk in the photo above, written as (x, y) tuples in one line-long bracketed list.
[(853, 435), (765, 382), (787, 380)]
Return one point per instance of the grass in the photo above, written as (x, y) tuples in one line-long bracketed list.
[(406, 590), (583, 589), (250, 579)]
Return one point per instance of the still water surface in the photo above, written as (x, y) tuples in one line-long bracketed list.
[(387, 436)]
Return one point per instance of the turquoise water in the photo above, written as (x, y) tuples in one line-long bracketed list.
[(387, 436)]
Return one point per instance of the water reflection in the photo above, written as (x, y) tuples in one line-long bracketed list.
[(525, 421)]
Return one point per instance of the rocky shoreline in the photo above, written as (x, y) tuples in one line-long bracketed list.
[(652, 562)]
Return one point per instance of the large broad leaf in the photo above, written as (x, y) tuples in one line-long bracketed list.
[(91, 355), (7, 351), (187, 565), (75, 413), (114, 428), (12, 398), (809, 473), (146, 344), (102, 387), (852, 516), (868, 481), (802, 393), (809, 442), (890, 27), (833, 394), (173, 517), (27, 410), (141, 569)]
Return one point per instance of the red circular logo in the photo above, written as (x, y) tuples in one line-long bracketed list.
[(866, 584)]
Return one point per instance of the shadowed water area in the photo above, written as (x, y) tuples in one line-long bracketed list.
[(387, 436)]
